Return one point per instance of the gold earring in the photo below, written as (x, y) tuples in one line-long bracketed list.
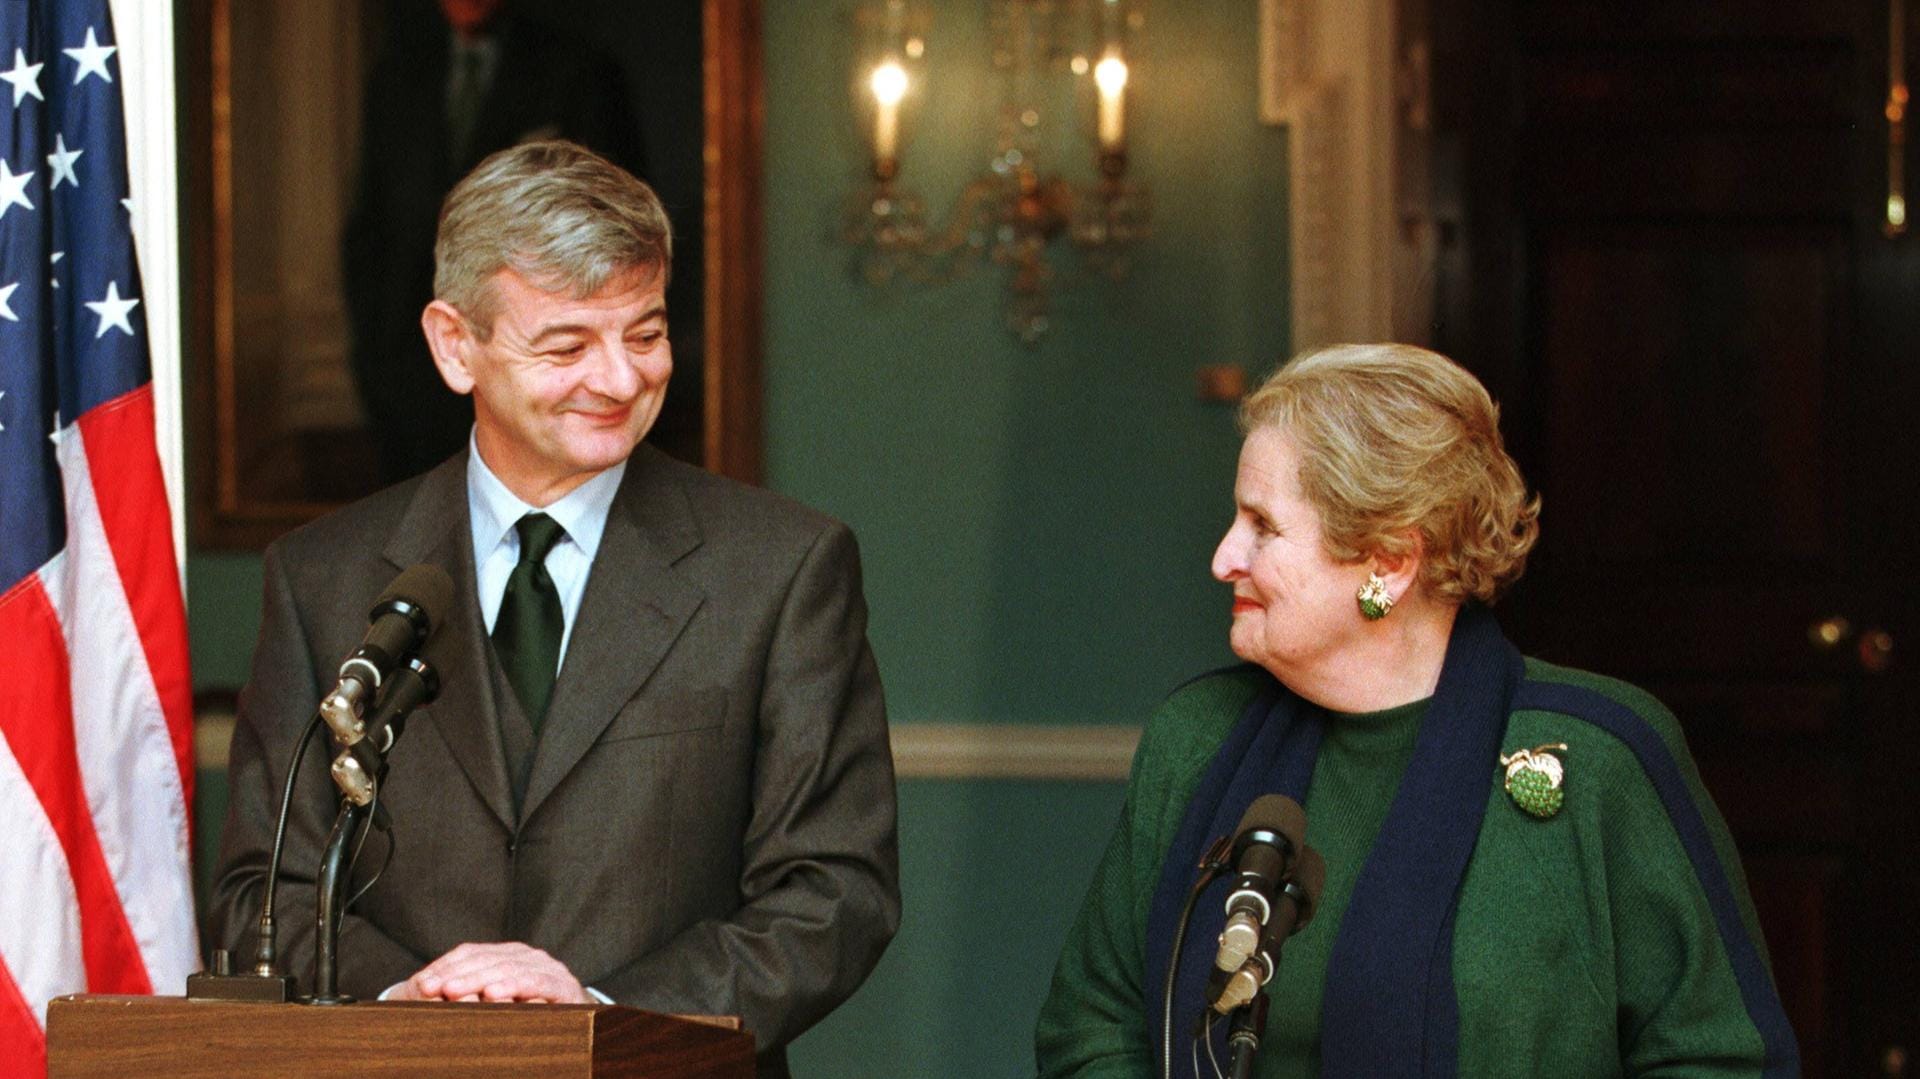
[(1374, 599)]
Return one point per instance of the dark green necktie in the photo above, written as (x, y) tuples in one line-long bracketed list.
[(527, 632)]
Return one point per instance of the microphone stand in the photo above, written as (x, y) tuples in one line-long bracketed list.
[(387, 638), (1243, 1036), (265, 982), (410, 686), (330, 887)]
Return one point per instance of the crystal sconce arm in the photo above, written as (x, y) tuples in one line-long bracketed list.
[(1011, 213)]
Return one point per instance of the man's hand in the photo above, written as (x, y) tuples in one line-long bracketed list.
[(494, 972)]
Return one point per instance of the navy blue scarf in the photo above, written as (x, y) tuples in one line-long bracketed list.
[(1389, 1006)]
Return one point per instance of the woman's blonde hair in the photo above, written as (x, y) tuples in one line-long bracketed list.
[(1395, 442)]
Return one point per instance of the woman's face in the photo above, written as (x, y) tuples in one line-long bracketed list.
[(1292, 605)]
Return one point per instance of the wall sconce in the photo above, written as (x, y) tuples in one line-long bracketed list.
[(1055, 58)]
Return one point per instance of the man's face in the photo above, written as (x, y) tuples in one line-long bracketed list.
[(565, 387)]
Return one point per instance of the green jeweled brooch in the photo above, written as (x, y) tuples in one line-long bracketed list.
[(1534, 778)]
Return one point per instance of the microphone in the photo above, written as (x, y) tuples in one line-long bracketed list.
[(1271, 831), (402, 619), (1298, 899), (358, 769)]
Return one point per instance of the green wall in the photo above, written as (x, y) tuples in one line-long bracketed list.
[(1036, 522)]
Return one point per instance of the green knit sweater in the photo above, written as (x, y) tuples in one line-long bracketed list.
[(1584, 944)]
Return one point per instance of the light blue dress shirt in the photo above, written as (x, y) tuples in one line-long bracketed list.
[(494, 510)]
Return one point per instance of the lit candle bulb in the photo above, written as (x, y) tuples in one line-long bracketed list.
[(1110, 75), (889, 86)]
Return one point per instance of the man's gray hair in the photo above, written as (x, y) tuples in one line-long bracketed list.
[(555, 212)]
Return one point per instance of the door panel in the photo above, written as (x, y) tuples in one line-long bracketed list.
[(1689, 360), (1662, 251)]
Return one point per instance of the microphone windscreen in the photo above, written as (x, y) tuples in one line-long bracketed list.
[(1276, 813), (423, 585)]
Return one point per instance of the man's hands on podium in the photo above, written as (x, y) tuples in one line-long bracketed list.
[(505, 971)]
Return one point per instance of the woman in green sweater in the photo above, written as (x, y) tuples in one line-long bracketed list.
[(1523, 874)]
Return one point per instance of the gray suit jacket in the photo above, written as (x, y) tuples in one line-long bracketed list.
[(706, 822)]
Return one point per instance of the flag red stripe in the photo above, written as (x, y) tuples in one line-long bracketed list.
[(37, 722), (131, 494), (21, 1040)]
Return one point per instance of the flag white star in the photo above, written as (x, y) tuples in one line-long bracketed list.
[(62, 160), (25, 78), (3, 394), (57, 256), (128, 204), (92, 58), (13, 189), (6, 302), (112, 311)]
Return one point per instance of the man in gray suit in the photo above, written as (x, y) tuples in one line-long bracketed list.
[(658, 770)]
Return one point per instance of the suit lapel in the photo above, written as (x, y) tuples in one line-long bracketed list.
[(635, 607), (436, 529)]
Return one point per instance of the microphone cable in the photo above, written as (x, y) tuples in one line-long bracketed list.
[(264, 958), (393, 845), (1212, 864)]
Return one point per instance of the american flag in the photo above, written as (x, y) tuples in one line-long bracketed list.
[(96, 757)]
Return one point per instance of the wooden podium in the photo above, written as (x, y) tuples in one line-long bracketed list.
[(173, 1038)]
